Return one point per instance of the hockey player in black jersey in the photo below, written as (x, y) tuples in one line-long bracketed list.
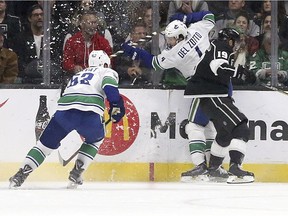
[(210, 83)]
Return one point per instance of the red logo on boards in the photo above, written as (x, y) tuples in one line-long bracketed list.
[(119, 137)]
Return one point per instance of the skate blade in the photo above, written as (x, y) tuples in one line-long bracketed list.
[(13, 185), (200, 178), (72, 185), (240, 180), (217, 179)]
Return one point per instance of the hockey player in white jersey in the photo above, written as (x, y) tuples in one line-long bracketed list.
[(81, 108), (185, 48)]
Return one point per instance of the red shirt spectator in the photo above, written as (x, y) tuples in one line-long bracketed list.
[(76, 51), (79, 46)]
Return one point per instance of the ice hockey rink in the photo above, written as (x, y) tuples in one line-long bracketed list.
[(144, 199)]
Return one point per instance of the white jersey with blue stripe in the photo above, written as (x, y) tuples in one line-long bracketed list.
[(85, 90), (186, 54)]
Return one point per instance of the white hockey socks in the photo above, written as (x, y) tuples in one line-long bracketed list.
[(36, 155)]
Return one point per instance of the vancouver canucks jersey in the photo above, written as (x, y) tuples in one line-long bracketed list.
[(85, 90), (186, 54)]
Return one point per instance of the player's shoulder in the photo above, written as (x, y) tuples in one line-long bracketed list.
[(201, 26), (108, 72)]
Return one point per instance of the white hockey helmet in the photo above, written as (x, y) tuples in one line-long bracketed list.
[(98, 58), (175, 29)]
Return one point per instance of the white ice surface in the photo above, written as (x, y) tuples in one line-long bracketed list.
[(144, 199)]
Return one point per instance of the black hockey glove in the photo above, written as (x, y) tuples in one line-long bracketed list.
[(117, 110), (247, 75)]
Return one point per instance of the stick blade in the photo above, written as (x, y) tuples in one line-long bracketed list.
[(65, 162)]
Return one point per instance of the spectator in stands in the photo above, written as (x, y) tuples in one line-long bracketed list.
[(79, 46), (21, 8), (283, 24), (217, 7), (186, 7), (260, 62), (148, 18), (132, 72), (264, 21), (227, 18), (58, 26), (116, 17), (8, 62), (88, 5), (264, 27), (144, 13), (10, 24), (264, 9), (29, 47), (248, 45)]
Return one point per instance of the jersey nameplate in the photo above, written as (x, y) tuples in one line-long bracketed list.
[(190, 44)]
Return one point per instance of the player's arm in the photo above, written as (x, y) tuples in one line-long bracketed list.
[(117, 109), (223, 69), (193, 17), (138, 54)]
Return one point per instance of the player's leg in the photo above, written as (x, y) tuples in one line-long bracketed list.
[(195, 131), (237, 150), (49, 141), (92, 129), (233, 122), (219, 150), (236, 125), (210, 134)]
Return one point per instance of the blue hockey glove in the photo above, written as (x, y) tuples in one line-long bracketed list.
[(129, 50), (179, 16), (138, 53), (189, 18), (117, 110)]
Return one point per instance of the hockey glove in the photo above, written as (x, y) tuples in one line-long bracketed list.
[(189, 18), (117, 110), (138, 53), (129, 50), (247, 75)]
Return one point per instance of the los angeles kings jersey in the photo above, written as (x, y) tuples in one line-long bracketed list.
[(213, 73), (186, 54), (85, 90)]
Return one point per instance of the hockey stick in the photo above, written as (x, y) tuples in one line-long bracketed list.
[(274, 88), (116, 53), (64, 162)]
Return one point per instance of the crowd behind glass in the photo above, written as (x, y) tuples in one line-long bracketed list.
[(75, 28)]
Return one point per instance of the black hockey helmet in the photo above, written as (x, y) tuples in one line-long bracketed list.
[(229, 34)]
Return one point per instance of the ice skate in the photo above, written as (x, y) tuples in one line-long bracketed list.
[(18, 179), (75, 178), (239, 176), (218, 174), (198, 173)]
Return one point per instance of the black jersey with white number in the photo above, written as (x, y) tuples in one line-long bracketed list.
[(213, 74)]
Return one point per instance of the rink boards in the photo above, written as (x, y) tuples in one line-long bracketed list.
[(146, 145)]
